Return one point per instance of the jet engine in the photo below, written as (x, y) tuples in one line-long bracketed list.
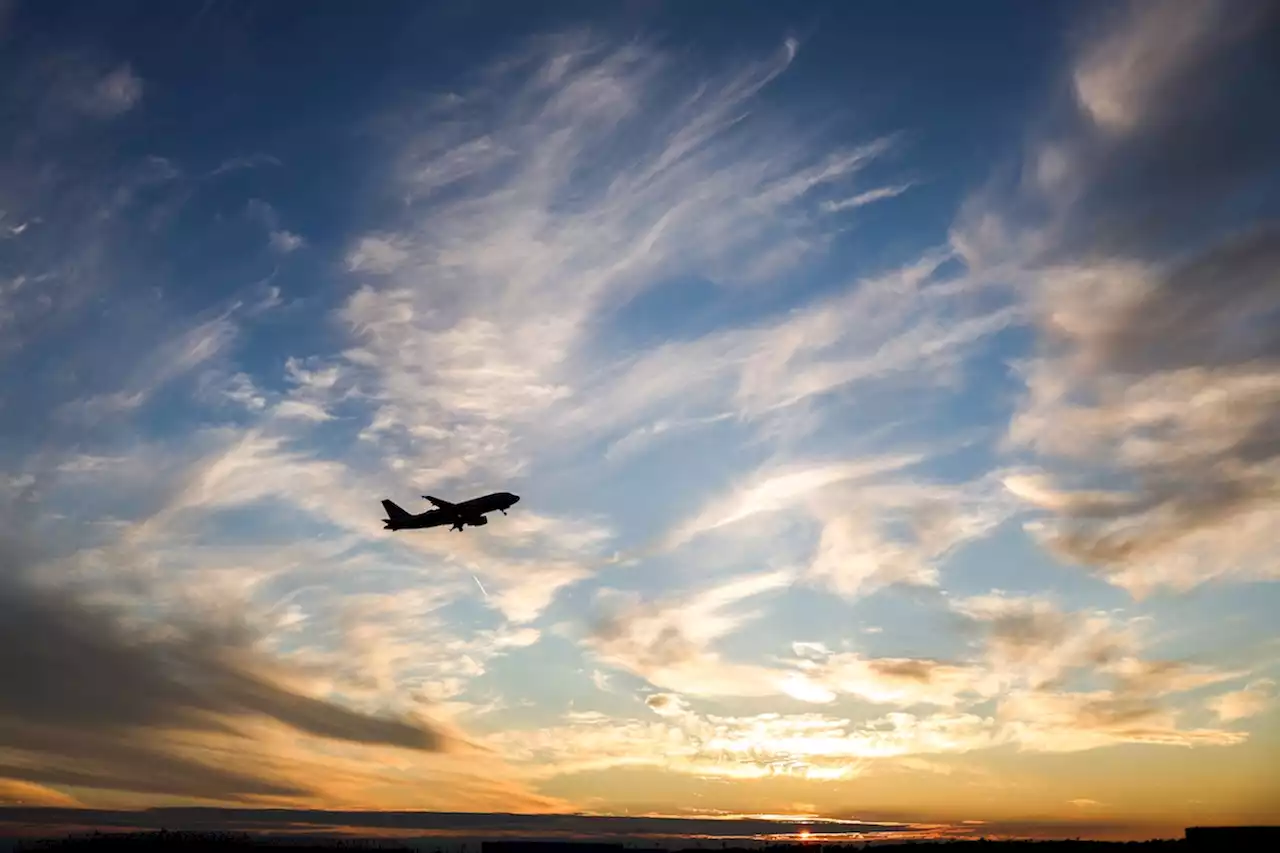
[(479, 522)]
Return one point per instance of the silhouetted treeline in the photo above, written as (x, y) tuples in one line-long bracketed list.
[(202, 842), (1237, 841)]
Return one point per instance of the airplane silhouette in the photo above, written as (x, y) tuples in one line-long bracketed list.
[(457, 515)]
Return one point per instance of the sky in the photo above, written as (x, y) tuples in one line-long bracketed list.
[(892, 391)]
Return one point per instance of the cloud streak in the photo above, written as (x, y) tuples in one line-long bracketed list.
[(91, 686)]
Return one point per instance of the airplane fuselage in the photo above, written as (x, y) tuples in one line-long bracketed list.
[(456, 515)]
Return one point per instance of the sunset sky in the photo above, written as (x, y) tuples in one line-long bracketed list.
[(892, 389)]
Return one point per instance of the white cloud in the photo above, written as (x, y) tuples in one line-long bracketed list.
[(301, 410), (877, 526), (899, 333), (280, 239), (240, 390), (774, 490), (376, 254), (286, 242), (864, 198), (536, 217), (1247, 702), (879, 534)]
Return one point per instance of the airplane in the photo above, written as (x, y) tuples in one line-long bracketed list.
[(457, 515)]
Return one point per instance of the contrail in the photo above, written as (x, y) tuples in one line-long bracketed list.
[(482, 589)]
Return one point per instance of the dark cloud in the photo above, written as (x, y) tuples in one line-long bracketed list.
[(1147, 228), (91, 695), (659, 701), (1216, 308), (474, 824), (1202, 140), (921, 671)]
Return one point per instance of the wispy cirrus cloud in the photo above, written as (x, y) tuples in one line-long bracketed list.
[(538, 219), (862, 199)]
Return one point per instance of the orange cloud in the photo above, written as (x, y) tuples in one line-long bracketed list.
[(15, 792)]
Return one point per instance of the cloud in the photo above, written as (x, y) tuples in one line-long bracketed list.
[(666, 704), (69, 225), (97, 698), (1151, 398), (669, 642), (373, 254), (114, 93), (801, 746), (543, 202), (1035, 651), (1069, 722), (172, 359), (251, 161), (1060, 681), (1030, 654), (877, 526), (16, 793), (771, 491), (890, 336), (281, 240), (1247, 702), (864, 198), (878, 534), (902, 682), (1138, 66), (285, 242), (1030, 640)]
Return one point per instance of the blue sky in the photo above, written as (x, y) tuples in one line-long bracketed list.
[(891, 391)]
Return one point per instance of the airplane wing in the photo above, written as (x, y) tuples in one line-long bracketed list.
[(439, 504)]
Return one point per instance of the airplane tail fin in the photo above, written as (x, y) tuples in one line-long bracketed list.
[(394, 512)]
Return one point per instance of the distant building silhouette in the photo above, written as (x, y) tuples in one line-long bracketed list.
[(1233, 837)]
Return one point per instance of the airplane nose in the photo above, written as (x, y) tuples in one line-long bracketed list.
[(515, 499)]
